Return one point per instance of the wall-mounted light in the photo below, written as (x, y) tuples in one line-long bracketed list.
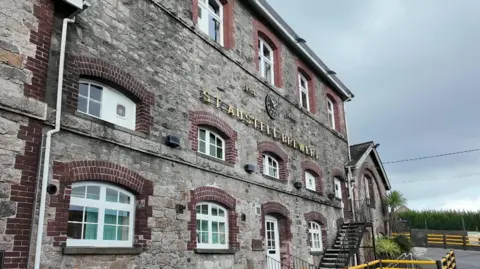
[(297, 184), (172, 141), (250, 168)]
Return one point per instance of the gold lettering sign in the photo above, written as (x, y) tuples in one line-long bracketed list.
[(249, 119)]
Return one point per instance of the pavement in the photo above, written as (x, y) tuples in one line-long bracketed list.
[(465, 259)]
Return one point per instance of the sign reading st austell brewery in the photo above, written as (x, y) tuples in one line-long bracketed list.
[(251, 120)]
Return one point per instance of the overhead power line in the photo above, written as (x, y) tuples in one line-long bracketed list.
[(432, 179), (433, 156)]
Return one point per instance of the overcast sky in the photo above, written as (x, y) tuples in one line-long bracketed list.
[(414, 67)]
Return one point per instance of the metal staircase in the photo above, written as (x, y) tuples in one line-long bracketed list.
[(348, 240)]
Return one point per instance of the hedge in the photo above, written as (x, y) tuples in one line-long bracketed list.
[(442, 220)]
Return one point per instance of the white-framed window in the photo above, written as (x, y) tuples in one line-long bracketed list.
[(315, 231), (210, 19), (331, 113), (310, 181), (265, 60), (303, 92), (212, 226), (367, 190), (211, 144), (338, 188), (100, 215), (270, 166), (103, 102)]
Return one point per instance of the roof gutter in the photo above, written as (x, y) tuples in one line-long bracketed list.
[(271, 18)]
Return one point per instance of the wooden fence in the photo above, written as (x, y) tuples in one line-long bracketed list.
[(448, 241)]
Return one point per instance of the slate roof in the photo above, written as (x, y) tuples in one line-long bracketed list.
[(357, 151)]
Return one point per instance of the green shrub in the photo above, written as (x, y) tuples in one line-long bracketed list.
[(442, 219), (386, 248), (403, 243)]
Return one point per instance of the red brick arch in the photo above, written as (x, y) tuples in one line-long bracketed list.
[(272, 148), (315, 169), (282, 214), (99, 171), (320, 219), (109, 73), (205, 118), (219, 196)]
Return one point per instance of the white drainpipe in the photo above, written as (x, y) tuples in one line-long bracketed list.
[(48, 145)]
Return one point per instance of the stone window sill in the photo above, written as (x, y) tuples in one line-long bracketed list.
[(274, 179), (316, 253), (100, 251), (214, 251), (214, 159), (109, 124)]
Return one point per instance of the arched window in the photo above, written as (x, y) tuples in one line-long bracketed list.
[(331, 113), (100, 215), (270, 166), (338, 188), (303, 92), (315, 231), (212, 226), (266, 60), (310, 183), (210, 19), (211, 144), (106, 103)]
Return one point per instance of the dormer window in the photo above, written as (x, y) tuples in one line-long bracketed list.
[(103, 102)]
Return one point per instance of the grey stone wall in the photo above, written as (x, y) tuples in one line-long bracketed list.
[(175, 64)]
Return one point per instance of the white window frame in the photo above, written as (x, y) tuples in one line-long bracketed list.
[(367, 191), (105, 103), (315, 228), (305, 89), (101, 205), (337, 185), (266, 166), (205, 11), (207, 142), (310, 186), (210, 219), (262, 59), (331, 113)]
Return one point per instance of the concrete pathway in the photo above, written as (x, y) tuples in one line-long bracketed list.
[(465, 259)]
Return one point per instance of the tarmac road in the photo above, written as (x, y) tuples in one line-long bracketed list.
[(465, 259)]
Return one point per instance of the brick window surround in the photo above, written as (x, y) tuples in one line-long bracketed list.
[(320, 219), (310, 76), (221, 197), (211, 121), (228, 21), (340, 174), (273, 149), (99, 171), (338, 109), (316, 171), (261, 31), (281, 213), (110, 74)]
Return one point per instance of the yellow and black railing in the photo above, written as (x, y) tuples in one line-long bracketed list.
[(447, 262), (404, 234), (451, 241)]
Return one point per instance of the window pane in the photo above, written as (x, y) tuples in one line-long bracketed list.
[(201, 147), (268, 72), (213, 6), (214, 226), (204, 237), (91, 214), (122, 233), (220, 153), (204, 224), (213, 28), (94, 109), (82, 104), (83, 89), (74, 230), (222, 239), (221, 227), (219, 142), (90, 231), (198, 210), (266, 52), (93, 192), (213, 150), (78, 192), (75, 213), (304, 99), (302, 83), (214, 211), (199, 12), (124, 199), (112, 195), (110, 216), (95, 92), (123, 217), (214, 238), (202, 134), (221, 212), (205, 209), (109, 232)]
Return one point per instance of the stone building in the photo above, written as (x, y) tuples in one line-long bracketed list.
[(193, 134)]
